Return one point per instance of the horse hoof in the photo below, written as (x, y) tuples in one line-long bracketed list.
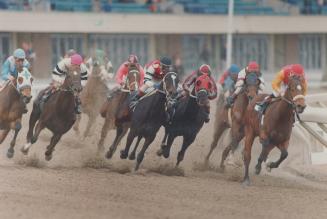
[(109, 154), (268, 166), (48, 157), (137, 166), (24, 151), (10, 153), (159, 152), (257, 170), (246, 182), (123, 154), (165, 153), (131, 156), (33, 140)]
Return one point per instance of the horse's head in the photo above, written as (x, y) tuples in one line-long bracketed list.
[(95, 68), (24, 84), (73, 82), (132, 79), (252, 83), (203, 86), (170, 83), (295, 92)]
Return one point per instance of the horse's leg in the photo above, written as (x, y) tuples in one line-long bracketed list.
[(3, 134), (166, 149), (104, 132), (39, 126), (140, 155), (263, 157), (120, 133), (283, 155), (132, 155), (249, 138), (50, 148), (130, 139), (163, 144), (187, 140), (220, 128), (17, 127), (237, 135), (76, 124), (35, 115), (89, 125)]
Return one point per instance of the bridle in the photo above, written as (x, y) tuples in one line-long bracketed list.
[(127, 87)]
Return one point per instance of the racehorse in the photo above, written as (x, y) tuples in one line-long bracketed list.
[(150, 114), (13, 99), (92, 97), (190, 115), (57, 113), (274, 128), (119, 111), (233, 117)]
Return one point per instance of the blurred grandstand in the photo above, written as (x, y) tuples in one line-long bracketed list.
[(273, 32)]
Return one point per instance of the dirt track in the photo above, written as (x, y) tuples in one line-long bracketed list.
[(76, 184)]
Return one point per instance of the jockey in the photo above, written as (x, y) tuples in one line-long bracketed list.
[(12, 64), (189, 82), (252, 67), (105, 65), (73, 63), (122, 73), (154, 73), (279, 84), (228, 79)]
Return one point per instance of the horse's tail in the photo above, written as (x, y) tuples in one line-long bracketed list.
[(104, 108)]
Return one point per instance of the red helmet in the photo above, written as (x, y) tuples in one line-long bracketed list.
[(133, 59), (297, 69), (205, 69), (253, 67)]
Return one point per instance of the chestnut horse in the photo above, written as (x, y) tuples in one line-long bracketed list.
[(13, 99), (57, 114), (92, 97), (274, 128), (234, 117), (116, 111)]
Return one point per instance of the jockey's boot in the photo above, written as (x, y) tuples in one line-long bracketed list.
[(78, 108), (25, 109), (261, 106)]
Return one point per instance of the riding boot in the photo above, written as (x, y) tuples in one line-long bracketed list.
[(261, 106), (78, 108), (25, 109)]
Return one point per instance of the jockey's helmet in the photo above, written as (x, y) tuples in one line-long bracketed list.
[(19, 54), (76, 59), (234, 69), (297, 69), (205, 69), (133, 59), (165, 61), (253, 67)]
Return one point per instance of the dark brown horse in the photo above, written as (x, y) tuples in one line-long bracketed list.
[(57, 114), (274, 128), (233, 117), (117, 110), (149, 115), (13, 97)]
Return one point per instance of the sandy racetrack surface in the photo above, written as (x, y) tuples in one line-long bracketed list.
[(78, 184)]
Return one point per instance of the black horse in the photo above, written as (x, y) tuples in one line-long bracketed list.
[(191, 113), (149, 115)]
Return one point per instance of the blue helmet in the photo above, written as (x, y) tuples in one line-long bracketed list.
[(19, 54), (234, 69), (165, 61)]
